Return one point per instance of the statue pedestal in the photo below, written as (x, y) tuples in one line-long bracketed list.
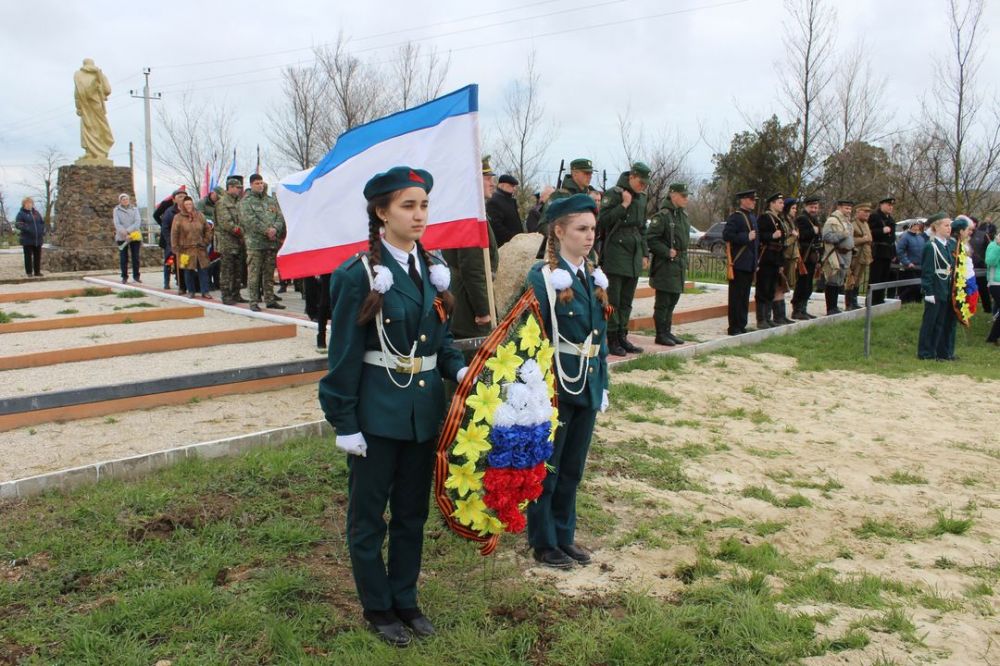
[(84, 237)]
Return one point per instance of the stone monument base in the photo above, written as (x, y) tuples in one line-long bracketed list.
[(66, 259)]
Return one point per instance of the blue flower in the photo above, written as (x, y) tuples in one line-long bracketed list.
[(520, 447)]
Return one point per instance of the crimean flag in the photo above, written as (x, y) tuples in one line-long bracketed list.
[(205, 181), (324, 207)]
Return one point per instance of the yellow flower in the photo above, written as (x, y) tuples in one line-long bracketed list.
[(505, 364), (484, 402), (544, 356), (493, 525), (464, 478), (550, 386), (531, 335), (470, 510), (554, 420), (471, 442)]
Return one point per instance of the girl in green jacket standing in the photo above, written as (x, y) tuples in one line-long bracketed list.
[(937, 275), (572, 297), (391, 345)]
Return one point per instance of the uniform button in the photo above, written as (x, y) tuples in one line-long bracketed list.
[(570, 313), (596, 332), (591, 368), (421, 383), (423, 338), (387, 320)]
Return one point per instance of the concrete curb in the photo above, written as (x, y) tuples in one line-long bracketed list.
[(141, 465), (208, 305)]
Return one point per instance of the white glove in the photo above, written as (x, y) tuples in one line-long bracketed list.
[(605, 403), (930, 299), (353, 444), (461, 374)]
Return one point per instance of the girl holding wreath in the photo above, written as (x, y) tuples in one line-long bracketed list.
[(385, 397), (574, 304)]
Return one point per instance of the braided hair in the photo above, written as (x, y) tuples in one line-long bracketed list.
[(373, 302), (552, 258)]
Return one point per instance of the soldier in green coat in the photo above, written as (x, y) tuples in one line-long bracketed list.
[(472, 317), (622, 226), (387, 407), (668, 237), (263, 227), (229, 240)]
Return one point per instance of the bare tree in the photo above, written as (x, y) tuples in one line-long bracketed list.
[(523, 135), (418, 76), (192, 135), (43, 182), (297, 121), (856, 113), (970, 140), (805, 75), (665, 155), (357, 90)]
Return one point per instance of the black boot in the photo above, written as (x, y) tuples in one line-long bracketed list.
[(799, 312), (763, 311), (663, 337), (614, 348), (831, 300), (851, 299), (778, 308), (166, 277), (628, 346)]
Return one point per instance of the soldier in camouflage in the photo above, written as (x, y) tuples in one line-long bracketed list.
[(263, 225), (229, 240)]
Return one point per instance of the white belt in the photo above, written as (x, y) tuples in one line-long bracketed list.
[(576, 349), (401, 364)]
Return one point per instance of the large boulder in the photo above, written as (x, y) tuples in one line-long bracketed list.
[(517, 256)]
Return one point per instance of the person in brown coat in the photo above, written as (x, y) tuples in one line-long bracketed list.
[(190, 237)]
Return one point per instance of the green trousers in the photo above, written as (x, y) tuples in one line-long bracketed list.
[(663, 309), (397, 473), (937, 332), (260, 275), (621, 292), (229, 275), (552, 518)]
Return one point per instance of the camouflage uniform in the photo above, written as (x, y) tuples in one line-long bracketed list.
[(258, 213), (229, 244)]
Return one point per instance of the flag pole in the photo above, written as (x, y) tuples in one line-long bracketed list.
[(489, 287)]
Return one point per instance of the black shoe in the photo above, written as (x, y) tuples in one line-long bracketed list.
[(623, 341), (279, 298), (577, 553), (282, 289), (254, 307), (416, 621), (664, 339), (387, 626), (553, 557), (614, 347), (833, 311), (677, 341), (38, 275), (274, 305), (240, 299), (800, 315), (228, 301)]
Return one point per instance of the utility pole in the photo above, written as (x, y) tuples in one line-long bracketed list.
[(150, 202)]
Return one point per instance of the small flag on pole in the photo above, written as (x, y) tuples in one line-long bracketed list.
[(205, 180), (232, 167)]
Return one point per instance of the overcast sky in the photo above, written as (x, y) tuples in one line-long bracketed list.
[(692, 68)]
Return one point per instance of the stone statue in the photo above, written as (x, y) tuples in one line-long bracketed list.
[(91, 90)]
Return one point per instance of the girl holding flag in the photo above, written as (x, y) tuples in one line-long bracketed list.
[(385, 397)]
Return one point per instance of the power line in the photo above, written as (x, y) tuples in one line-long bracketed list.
[(43, 116)]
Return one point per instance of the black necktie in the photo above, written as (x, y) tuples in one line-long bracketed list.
[(583, 278), (415, 274)]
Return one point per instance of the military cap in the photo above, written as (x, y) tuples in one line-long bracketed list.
[(790, 201), (845, 202), (936, 217), (863, 206), (961, 222), (581, 164), (679, 188), (487, 169), (179, 190), (234, 180), (640, 169), (746, 194), (889, 200), (508, 179), (811, 200), (577, 203), (398, 178), (775, 197)]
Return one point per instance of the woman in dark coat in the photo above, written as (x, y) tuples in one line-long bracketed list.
[(32, 227)]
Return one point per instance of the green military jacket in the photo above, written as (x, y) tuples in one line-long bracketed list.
[(578, 318), (360, 397), (567, 189), (623, 230), (468, 284), (205, 205), (669, 230), (228, 232), (938, 256), (258, 212)]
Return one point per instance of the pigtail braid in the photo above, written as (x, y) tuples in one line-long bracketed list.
[(566, 295), (599, 293), (447, 298), (373, 302)]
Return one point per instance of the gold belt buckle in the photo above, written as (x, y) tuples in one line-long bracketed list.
[(405, 366)]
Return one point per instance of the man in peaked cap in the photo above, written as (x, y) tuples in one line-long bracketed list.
[(770, 259), (621, 227), (577, 181), (740, 235), (861, 258), (229, 240), (883, 229), (667, 237), (811, 250), (501, 209)]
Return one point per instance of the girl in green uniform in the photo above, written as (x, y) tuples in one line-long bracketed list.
[(390, 346), (937, 274), (573, 300)]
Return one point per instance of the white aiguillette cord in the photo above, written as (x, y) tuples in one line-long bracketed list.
[(585, 346), (383, 339), (939, 258)]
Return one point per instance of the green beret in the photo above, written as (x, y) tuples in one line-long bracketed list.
[(960, 223), (578, 203), (581, 164), (234, 180), (936, 217), (398, 178), (640, 169), (679, 188)]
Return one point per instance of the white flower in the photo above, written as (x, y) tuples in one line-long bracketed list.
[(531, 373), (382, 282), (561, 279), (600, 279), (440, 277)]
